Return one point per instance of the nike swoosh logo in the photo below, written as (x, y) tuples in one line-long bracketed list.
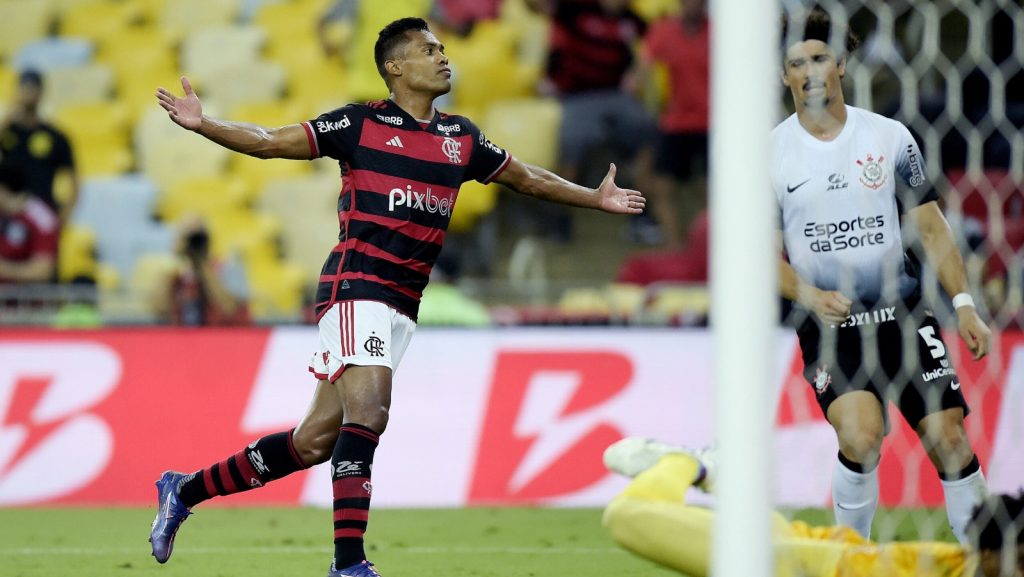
[(792, 188), (955, 385)]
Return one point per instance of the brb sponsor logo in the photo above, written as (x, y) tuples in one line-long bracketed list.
[(449, 130), (394, 120), (331, 125), (425, 201), (844, 234), (47, 391)]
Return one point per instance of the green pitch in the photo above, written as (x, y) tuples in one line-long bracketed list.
[(228, 542)]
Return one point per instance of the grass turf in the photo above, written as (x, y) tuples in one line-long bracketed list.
[(228, 542)]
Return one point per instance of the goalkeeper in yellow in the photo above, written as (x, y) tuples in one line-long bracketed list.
[(651, 519)]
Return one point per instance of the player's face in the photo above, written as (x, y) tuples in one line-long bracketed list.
[(425, 66), (813, 73), (989, 564)]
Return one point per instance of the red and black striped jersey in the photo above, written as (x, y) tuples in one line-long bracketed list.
[(400, 181)]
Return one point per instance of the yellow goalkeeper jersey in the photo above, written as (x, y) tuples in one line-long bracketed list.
[(840, 552)]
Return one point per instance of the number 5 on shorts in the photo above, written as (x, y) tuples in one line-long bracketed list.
[(938, 350)]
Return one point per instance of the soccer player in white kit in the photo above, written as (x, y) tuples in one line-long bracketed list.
[(844, 177)]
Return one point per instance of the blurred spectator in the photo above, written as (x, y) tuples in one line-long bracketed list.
[(680, 44), (335, 27), (685, 265), (459, 16), (203, 291), (444, 303), (590, 68), (29, 231), (43, 150)]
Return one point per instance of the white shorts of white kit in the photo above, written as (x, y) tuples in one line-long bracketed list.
[(360, 333)]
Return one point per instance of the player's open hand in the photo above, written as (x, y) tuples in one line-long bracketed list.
[(974, 331), (832, 307), (186, 112), (617, 200)]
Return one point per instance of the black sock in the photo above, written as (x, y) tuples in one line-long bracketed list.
[(264, 460), (350, 470)]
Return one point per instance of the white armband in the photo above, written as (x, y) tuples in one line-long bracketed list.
[(963, 300)]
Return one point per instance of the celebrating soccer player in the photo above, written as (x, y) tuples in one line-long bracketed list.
[(402, 162), (843, 178)]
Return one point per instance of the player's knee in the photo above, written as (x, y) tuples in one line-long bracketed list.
[(314, 447), (862, 445), (373, 416)]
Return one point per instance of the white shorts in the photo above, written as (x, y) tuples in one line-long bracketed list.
[(360, 333)]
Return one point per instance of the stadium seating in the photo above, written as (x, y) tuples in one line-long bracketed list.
[(214, 50), (87, 84), (77, 253), (307, 208), (49, 53), (99, 137), (245, 83), (534, 142), (22, 23), (98, 20), (179, 18)]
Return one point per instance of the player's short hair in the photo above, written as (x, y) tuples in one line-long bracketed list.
[(13, 177), (816, 24), (997, 520), (391, 37)]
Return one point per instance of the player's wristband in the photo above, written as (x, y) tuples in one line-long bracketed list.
[(963, 300)]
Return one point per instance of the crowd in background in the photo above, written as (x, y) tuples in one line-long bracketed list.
[(594, 80)]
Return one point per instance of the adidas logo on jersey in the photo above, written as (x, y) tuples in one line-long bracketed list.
[(396, 142)]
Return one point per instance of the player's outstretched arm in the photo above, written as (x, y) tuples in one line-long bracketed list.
[(540, 183), (284, 142), (944, 256)]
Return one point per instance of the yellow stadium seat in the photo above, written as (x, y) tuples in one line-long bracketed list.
[(534, 142), (107, 278), (137, 90), (135, 50), (287, 22), (243, 232), (149, 279), (678, 302), (211, 51), (8, 83), (584, 302), (475, 200), (103, 159), (479, 82), (276, 290), (256, 172), (269, 114), (94, 122), (307, 208), (245, 83), (99, 137), (203, 196), (99, 19), (79, 85), (653, 9), (77, 253), (182, 17), (22, 22), (167, 153)]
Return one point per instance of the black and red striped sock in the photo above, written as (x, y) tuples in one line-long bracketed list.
[(350, 470), (264, 460)]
